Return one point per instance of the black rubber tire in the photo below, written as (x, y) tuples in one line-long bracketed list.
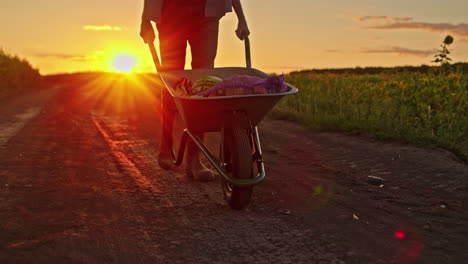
[(238, 157)]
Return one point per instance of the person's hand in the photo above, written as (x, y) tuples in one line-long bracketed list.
[(242, 30), (147, 31)]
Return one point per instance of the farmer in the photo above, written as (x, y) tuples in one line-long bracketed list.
[(179, 22)]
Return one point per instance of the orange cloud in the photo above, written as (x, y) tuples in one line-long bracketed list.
[(101, 28), (383, 18), (388, 23), (401, 51), (73, 57), (388, 50), (460, 30)]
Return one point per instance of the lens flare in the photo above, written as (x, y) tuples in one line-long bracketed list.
[(318, 190), (400, 234)]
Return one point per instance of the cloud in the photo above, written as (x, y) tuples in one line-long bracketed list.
[(387, 50), (406, 23), (460, 30), (101, 28), (383, 18), (400, 51), (72, 57), (61, 56)]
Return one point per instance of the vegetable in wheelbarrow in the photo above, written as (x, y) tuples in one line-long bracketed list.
[(204, 84), (244, 85), (184, 86)]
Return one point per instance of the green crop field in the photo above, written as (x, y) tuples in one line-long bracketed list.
[(422, 108)]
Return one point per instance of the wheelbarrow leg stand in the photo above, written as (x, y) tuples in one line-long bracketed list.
[(188, 138), (194, 168)]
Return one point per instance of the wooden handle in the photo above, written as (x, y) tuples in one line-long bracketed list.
[(248, 58)]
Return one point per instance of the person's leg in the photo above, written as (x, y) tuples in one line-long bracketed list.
[(203, 40), (167, 125), (173, 45)]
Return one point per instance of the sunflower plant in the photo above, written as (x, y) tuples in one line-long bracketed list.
[(443, 56)]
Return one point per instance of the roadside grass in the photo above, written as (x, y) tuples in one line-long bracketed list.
[(421, 108), (17, 75)]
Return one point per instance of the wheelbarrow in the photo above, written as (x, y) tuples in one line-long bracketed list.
[(240, 162)]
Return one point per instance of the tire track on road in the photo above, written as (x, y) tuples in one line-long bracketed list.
[(127, 165), (173, 185), (11, 128)]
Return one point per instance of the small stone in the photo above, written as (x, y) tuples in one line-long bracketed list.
[(374, 180), (427, 227), (355, 217), (287, 212)]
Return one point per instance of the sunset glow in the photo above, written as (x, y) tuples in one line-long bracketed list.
[(83, 35)]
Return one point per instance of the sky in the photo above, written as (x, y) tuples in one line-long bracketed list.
[(59, 36)]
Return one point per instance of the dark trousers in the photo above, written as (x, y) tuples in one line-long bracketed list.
[(182, 22)]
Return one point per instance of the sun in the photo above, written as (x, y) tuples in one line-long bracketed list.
[(123, 63)]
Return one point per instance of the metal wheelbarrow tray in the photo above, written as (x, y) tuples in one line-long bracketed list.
[(206, 114)]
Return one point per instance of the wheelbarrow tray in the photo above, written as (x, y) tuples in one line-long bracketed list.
[(205, 114)]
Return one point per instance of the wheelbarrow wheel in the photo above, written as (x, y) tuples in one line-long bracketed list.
[(238, 164)]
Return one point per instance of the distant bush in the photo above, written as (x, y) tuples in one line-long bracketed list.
[(17, 75)]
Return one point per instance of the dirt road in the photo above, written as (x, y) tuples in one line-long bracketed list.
[(79, 183)]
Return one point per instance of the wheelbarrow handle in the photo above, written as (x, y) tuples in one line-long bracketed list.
[(157, 62), (248, 58)]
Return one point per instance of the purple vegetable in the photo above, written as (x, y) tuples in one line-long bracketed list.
[(243, 84), (274, 84)]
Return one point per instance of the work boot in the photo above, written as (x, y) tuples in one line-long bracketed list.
[(194, 168), (165, 154), (165, 160)]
